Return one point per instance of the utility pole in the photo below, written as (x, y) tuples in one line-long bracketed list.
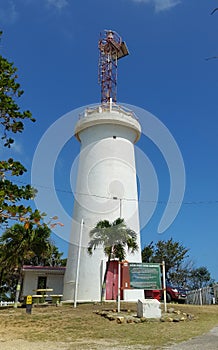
[(78, 264)]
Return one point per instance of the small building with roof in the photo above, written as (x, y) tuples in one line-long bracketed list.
[(42, 277)]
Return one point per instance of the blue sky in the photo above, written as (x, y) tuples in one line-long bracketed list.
[(54, 45)]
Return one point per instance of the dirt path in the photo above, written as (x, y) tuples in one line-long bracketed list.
[(100, 345), (208, 341)]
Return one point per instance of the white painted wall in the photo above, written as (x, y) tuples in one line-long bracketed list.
[(29, 283), (106, 170), (55, 280)]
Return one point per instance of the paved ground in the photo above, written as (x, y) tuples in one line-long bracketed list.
[(208, 341)]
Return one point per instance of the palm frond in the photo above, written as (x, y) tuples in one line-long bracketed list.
[(114, 237)]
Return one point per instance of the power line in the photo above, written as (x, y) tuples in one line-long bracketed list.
[(123, 198)]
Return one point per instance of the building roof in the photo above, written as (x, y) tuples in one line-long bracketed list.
[(43, 268)]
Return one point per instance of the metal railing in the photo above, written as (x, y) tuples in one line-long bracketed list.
[(106, 107)]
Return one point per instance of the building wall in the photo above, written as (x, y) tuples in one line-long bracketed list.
[(106, 170), (55, 281)]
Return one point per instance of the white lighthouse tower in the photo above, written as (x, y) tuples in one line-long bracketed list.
[(106, 182)]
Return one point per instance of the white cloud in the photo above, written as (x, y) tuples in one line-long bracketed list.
[(10, 10), (160, 5), (58, 4), (8, 13), (17, 148), (55, 4)]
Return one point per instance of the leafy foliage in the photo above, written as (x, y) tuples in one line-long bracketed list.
[(173, 253), (21, 242), (199, 278), (179, 270), (114, 237), (147, 253), (28, 244), (12, 122), (51, 257), (10, 114), (180, 275)]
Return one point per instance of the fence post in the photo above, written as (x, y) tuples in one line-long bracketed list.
[(200, 296)]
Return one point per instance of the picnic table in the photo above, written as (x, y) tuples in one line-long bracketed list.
[(56, 298), (41, 294)]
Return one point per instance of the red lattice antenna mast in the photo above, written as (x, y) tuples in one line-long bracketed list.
[(111, 48)]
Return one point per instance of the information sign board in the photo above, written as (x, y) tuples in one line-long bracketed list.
[(145, 276)]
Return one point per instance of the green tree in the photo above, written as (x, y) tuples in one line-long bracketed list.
[(173, 253), (51, 257), (12, 122), (18, 245), (148, 253), (180, 275), (179, 270), (199, 278), (29, 240), (29, 246), (115, 238)]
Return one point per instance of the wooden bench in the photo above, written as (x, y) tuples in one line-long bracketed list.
[(38, 298), (56, 298)]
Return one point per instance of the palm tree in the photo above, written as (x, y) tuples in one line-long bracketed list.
[(19, 244), (115, 237)]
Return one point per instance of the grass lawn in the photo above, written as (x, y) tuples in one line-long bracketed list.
[(67, 324)]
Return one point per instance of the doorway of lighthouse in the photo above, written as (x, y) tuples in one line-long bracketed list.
[(112, 280)]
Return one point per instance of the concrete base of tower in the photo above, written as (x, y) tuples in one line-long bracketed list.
[(128, 295), (133, 294)]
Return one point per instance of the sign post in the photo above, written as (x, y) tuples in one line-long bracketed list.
[(164, 286), (29, 304)]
